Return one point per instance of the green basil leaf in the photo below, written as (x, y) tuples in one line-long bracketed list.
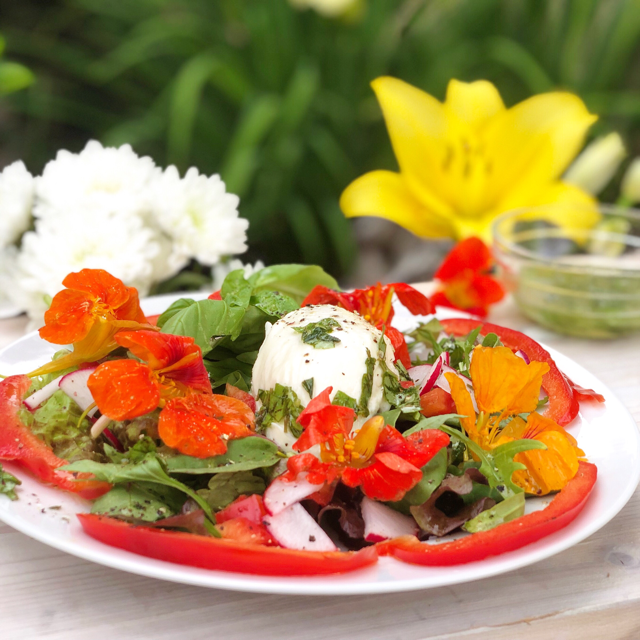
[(224, 488), (343, 400), (280, 404), (294, 280), (308, 386), (319, 334), (274, 303), (176, 307), (140, 501), (236, 291)]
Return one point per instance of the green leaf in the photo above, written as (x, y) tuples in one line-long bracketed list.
[(149, 470), (140, 501), (391, 416), (14, 77), (56, 423), (509, 509), (205, 320), (244, 454), (236, 291), (174, 308), (491, 340), (294, 280), (498, 465), (319, 334), (224, 488), (433, 474), (274, 303), (8, 483), (434, 422)]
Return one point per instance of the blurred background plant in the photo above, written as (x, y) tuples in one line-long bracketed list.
[(277, 98)]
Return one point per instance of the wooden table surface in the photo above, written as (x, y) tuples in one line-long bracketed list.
[(591, 591)]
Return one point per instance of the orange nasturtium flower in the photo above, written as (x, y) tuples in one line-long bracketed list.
[(87, 314), (464, 279), (172, 376), (504, 386)]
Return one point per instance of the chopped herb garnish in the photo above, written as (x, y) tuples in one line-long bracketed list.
[(282, 405), (8, 483), (308, 386), (367, 385), (406, 399), (318, 334), (344, 400)]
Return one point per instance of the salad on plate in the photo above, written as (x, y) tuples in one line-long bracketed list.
[(285, 427)]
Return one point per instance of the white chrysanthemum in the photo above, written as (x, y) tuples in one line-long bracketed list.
[(120, 244), (16, 199), (97, 181), (199, 215)]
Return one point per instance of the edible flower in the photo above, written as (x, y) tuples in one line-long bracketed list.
[(464, 279), (88, 314), (465, 161), (505, 386), (375, 305), (376, 457), (169, 373)]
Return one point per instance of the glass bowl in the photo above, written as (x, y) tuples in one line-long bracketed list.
[(573, 270)]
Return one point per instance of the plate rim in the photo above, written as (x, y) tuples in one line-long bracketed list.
[(330, 585)]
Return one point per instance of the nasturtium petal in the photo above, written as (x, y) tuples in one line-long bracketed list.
[(124, 389)]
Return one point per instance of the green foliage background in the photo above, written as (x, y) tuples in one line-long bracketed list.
[(278, 100)]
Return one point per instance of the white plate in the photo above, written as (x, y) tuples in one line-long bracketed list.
[(607, 434)]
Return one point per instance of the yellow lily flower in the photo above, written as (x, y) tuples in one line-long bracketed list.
[(465, 161), (504, 386)]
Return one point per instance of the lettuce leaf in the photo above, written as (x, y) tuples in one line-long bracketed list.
[(56, 423), (8, 483)]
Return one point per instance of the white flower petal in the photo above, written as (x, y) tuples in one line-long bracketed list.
[(199, 215), (16, 199), (631, 182), (222, 270)]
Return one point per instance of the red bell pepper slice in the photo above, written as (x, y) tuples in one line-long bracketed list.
[(436, 402), (563, 406), (509, 536), (18, 444), (220, 554)]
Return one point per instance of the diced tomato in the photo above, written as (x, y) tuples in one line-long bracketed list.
[(222, 555), (436, 402), (239, 394), (563, 405), (249, 507), (562, 510), (242, 530), (18, 444)]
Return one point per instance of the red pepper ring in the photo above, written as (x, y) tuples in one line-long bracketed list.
[(222, 554), (510, 536), (563, 405)]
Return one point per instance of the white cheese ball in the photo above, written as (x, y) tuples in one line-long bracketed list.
[(285, 359)]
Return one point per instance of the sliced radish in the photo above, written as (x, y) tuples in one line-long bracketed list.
[(294, 528), (74, 384), (425, 376), (382, 522), (281, 494), (42, 395), (420, 373), (443, 383), (521, 354)]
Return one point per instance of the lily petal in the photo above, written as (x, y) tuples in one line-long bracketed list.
[(473, 102), (533, 142), (384, 194)]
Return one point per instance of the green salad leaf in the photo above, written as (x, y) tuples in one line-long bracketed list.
[(55, 422), (150, 469), (244, 454), (139, 501), (294, 280), (224, 488), (433, 422), (498, 465), (8, 483), (509, 509)]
